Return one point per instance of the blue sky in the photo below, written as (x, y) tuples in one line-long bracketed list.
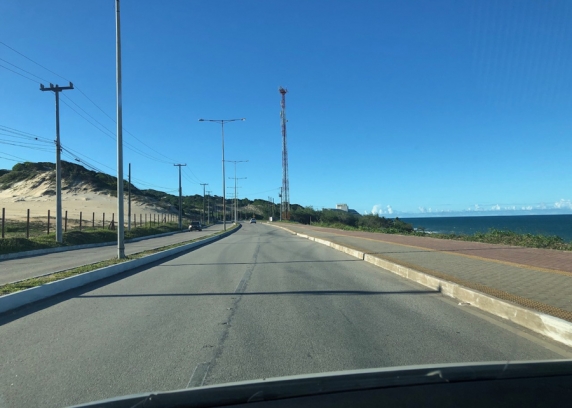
[(409, 107)]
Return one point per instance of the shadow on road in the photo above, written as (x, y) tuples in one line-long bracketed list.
[(297, 293), (257, 263)]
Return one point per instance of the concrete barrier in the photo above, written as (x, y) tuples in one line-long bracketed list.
[(27, 296), (350, 251), (322, 241), (550, 326)]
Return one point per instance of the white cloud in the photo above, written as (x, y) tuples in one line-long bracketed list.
[(563, 204), (527, 207), (495, 207), (379, 210)]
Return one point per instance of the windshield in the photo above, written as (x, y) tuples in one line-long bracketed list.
[(372, 184)]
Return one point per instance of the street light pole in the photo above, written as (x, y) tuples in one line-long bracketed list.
[(235, 195), (180, 197), (235, 201), (222, 122), (120, 214), (203, 217), (209, 208)]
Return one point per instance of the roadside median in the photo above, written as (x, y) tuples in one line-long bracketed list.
[(496, 287), (18, 294)]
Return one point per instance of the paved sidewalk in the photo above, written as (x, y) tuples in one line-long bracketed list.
[(539, 279)]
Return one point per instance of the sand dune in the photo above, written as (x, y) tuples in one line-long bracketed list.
[(38, 195)]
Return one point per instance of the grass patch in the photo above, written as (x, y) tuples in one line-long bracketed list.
[(492, 236), (41, 280), (339, 225), (76, 237)]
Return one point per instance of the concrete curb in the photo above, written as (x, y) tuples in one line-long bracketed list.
[(549, 326), (36, 252), (27, 296)]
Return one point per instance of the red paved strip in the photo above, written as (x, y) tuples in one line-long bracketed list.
[(533, 257)]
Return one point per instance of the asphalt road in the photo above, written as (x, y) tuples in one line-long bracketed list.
[(24, 268), (257, 304)]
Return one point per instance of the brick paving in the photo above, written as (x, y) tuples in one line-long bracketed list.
[(537, 278)]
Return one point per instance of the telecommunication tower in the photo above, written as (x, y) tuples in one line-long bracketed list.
[(285, 182)]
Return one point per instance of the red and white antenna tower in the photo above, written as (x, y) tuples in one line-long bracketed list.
[(285, 207)]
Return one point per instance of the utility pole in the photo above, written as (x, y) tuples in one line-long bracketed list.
[(203, 217), (235, 196), (222, 122), (56, 90), (285, 179), (180, 197), (281, 203), (129, 201), (235, 202), (120, 214), (209, 208)]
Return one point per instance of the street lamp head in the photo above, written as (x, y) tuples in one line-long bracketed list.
[(243, 119), (201, 120)]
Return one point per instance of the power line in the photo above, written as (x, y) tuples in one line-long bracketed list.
[(26, 145), (23, 137), (17, 73), (112, 135), (24, 134), (195, 180), (22, 69), (11, 155), (30, 59), (168, 161), (84, 111)]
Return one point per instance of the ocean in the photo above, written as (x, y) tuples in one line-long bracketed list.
[(560, 225)]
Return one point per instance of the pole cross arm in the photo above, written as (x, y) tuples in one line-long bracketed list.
[(55, 88)]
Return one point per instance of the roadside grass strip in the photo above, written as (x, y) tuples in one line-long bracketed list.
[(41, 280)]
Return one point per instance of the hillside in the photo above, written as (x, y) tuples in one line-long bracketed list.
[(32, 186)]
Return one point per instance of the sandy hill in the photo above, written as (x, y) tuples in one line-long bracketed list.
[(32, 186)]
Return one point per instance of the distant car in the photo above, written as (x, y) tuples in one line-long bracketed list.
[(195, 226), (253, 221)]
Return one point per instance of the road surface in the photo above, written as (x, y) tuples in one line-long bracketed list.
[(17, 269), (257, 304)]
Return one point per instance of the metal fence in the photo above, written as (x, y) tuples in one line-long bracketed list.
[(36, 224)]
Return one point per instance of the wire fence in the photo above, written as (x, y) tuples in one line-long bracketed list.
[(36, 224)]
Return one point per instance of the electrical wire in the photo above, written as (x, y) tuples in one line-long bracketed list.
[(22, 69), (24, 134), (43, 149), (11, 155), (17, 73), (6, 158), (136, 150), (29, 59)]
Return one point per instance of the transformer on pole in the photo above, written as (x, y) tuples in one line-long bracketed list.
[(285, 182)]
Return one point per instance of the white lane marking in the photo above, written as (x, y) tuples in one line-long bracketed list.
[(199, 374)]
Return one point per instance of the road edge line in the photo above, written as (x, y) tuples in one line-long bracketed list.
[(550, 326), (25, 297)]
